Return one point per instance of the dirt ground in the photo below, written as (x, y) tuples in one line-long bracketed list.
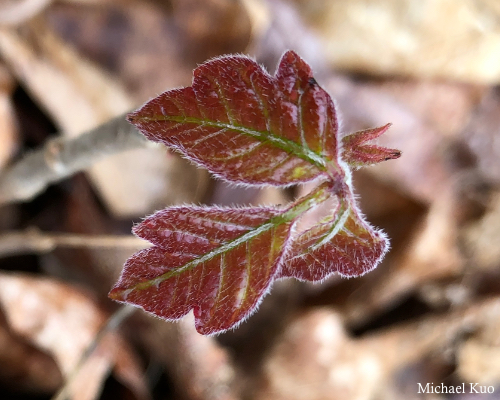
[(424, 325)]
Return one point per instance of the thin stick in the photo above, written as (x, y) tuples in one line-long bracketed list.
[(62, 157), (34, 241), (111, 324)]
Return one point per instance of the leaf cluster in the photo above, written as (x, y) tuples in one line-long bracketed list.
[(248, 127)]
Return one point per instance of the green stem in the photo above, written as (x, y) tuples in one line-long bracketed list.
[(341, 216), (295, 210), (320, 194)]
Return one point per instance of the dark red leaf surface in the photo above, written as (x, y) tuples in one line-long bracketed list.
[(358, 154), (344, 244), (203, 261), (246, 126)]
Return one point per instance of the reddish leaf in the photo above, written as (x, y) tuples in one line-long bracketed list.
[(249, 127), (358, 154), (219, 262), (343, 243), (246, 126)]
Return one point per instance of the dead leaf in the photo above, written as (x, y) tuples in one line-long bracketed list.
[(316, 359), (277, 26), (63, 321), (17, 12), (482, 135), (58, 78), (431, 253), (8, 128), (137, 42), (199, 366), (448, 39), (483, 236), (24, 367), (421, 135), (196, 20), (479, 362)]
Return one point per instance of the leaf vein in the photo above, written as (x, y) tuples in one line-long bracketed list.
[(272, 167), (300, 107), (263, 108), (223, 100), (206, 137), (243, 153), (267, 137)]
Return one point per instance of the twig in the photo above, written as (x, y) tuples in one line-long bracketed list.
[(62, 157), (112, 324), (34, 241)]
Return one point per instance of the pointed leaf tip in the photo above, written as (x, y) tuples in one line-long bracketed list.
[(217, 262), (246, 126), (358, 154), (249, 127)]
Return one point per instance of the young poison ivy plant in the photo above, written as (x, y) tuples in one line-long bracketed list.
[(248, 127)]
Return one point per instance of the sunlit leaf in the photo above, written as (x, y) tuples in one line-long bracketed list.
[(246, 126), (218, 262)]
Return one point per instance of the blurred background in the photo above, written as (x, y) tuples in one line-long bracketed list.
[(430, 313)]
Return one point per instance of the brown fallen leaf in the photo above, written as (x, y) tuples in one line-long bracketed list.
[(432, 254), (63, 321), (25, 368), (9, 140), (211, 27), (479, 362), (277, 26), (482, 135), (412, 341), (420, 38), (482, 237), (316, 359), (136, 41), (426, 115), (94, 96), (201, 369), (17, 12)]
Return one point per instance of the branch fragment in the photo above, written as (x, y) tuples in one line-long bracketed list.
[(62, 157), (34, 241)]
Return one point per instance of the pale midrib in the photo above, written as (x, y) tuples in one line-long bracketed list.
[(279, 142), (224, 248), (337, 224), (316, 197)]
